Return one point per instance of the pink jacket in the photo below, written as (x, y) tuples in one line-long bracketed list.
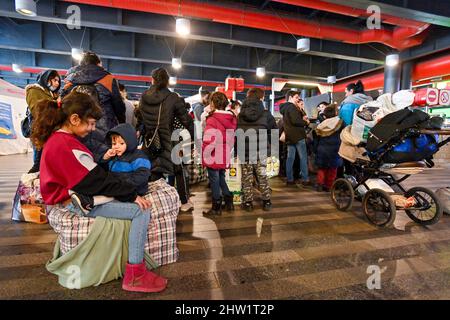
[(218, 139)]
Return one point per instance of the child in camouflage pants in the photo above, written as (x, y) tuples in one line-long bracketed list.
[(257, 170), (254, 118)]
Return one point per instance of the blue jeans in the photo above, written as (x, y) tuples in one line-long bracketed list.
[(139, 225), (218, 183), (300, 148)]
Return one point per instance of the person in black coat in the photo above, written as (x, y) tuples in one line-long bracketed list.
[(159, 102), (295, 123), (326, 147), (255, 120)]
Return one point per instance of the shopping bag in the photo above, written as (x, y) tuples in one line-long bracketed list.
[(233, 177), (273, 167), (28, 205)]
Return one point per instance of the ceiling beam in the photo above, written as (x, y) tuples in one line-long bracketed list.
[(165, 62), (226, 40)]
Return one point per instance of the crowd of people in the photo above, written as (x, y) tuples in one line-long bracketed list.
[(96, 152)]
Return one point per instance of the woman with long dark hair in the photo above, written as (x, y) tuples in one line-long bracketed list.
[(155, 120)]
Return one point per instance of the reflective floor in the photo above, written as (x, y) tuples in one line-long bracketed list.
[(305, 249)]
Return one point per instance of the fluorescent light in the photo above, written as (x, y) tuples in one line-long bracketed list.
[(331, 79), (392, 60), (183, 27), (303, 44), (77, 54), (26, 7), (172, 81), (260, 72), (176, 63), (17, 68)]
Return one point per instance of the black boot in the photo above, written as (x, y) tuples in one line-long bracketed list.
[(229, 206), (267, 205), (216, 209), (247, 206)]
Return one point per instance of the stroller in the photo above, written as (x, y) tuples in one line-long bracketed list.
[(400, 145)]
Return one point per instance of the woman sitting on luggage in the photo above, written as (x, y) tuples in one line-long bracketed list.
[(67, 165)]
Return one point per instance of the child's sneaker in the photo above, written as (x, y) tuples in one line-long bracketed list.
[(82, 202)]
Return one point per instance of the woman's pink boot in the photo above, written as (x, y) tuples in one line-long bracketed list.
[(138, 279)]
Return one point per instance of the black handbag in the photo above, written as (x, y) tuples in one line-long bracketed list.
[(25, 124)]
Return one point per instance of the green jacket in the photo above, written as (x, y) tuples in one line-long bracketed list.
[(101, 257), (35, 93)]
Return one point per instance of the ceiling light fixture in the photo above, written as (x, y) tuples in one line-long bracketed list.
[(26, 7), (17, 68), (392, 60), (183, 26), (172, 81), (77, 54), (303, 44), (176, 63), (260, 72), (331, 79)]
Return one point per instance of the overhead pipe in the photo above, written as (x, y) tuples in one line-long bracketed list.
[(423, 70), (139, 78), (398, 39), (406, 28)]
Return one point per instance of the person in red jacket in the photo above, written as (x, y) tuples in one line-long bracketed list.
[(218, 141), (67, 165)]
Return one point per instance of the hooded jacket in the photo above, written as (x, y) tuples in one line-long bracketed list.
[(40, 91), (218, 139), (68, 165), (109, 98), (133, 165), (254, 117), (350, 104), (327, 142), (294, 125), (147, 117)]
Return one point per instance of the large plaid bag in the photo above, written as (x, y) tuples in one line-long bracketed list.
[(161, 236)]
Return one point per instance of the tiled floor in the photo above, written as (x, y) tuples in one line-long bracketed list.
[(306, 250)]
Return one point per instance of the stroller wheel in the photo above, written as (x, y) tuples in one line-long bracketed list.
[(342, 194), (427, 209), (379, 208)]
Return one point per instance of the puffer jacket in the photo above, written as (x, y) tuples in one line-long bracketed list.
[(350, 104), (294, 125), (327, 142), (253, 116), (147, 118), (40, 91), (109, 98), (217, 144), (132, 166)]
